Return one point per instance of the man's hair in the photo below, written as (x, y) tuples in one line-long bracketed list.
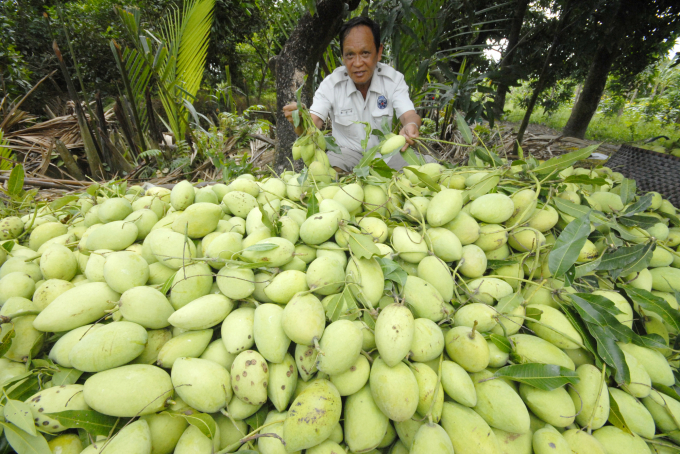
[(356, 22)]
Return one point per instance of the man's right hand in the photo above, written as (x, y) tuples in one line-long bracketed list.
[(288, 112)]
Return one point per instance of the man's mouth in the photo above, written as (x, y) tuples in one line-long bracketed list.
[(360, 73)]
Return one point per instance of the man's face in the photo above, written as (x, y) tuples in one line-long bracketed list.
[(360, 55)]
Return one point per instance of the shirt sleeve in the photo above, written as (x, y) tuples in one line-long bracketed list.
[(323, 100), (400, 99)]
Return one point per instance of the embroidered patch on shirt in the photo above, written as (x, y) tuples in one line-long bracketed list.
[(382, 102)]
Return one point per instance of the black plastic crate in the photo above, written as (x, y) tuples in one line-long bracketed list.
[(651, 171)]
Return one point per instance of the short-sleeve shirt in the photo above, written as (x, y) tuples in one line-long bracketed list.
[(338, 97)]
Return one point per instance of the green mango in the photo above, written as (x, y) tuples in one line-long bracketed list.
[(110, 392), (664, 410), (54, 400), (156, 338), (134, 438), (424, 298), (468, 348), (431, 392), (194, 441), (465, 227), (66, 444), (532, 349), (354, 378), (499, 404), (394, 389), (77, 307), (304, 319), (249, 377), (409, 244), (581, 442), (511, 443), (282, 382), (394, 331), (480, 315), (590, 391), (468, 431), (615, 440), (312, 416), (365, 425), (270, 338), (165, 431), (46, 232), (320, 227), (368, 278), (340, 347), (124, 270), (491, 237), (114, 345), (238, 330), (434, 271), (231, 430), (146, 306), (202, 384), (116, 236), (190, 282), (554, 407), (325, 275), (189, 344), (457, 384), (49, 291), (328, 446), (654, 363), (428, 340), (285, 285), (431, 438), (550, 441), (217, 353), (636, 416), (202, 313), (492, 208), (58, 262), (236, 283), (559, 330), (276, 257), (473, 261), (16, 284), (666, 279)]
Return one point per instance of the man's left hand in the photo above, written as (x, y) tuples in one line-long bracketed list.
[(410, 132)]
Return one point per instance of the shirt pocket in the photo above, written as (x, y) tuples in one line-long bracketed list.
[(382, 115), (346, 125)]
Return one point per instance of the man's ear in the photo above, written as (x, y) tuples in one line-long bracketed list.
[(380, 51)]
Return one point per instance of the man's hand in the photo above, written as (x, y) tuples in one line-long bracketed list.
[(409, 131), (288, 112)]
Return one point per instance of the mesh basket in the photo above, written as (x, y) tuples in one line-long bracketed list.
[(651, 171)]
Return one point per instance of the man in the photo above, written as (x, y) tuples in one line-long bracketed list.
[(362, 90)]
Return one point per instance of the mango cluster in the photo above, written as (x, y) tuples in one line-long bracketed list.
[(294, 314)]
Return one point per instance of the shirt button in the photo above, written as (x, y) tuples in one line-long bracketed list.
[(345, 74), (379, 69)]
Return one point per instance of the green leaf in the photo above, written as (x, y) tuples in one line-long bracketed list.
[(261, 247), (6, 341), (509, 303), (340, 304), (562, 162), (534, 313), (643, 222), (568, 246), (501, 342), (639, 264), (411, 158), (576, 211), (425, 179), (580, 326), (650, 302), (615, 416), (93, 189), (92, 421), (8, 245), (482, 187), (639, 206), (15, 184), (610, 353), (586, 268), (368, 320), (296, 118), (168, 284), (24, 443), (266, 221), (362, 246), (312, 204), (204, 422), (628, 190), (62, 202), (24, 389), (650, 341), (258, 418), (331, 145), (584, 179), (19, 414), (542, 376), (399, 276), (622, 257), (494, 264), (367, 158), (464, 128), (66, 376)]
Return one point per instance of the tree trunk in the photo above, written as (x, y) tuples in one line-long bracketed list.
[(297, 60), (506, 61), (540, 85), (596, 80)]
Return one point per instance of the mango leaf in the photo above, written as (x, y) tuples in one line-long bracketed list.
[(340, 303), (580, 326), (576, 211), (380, 167), (367, 158), (24, 443), (584, 179), (312, 204), (643, 222), (331, 145), (387, 265), (615, 416), (66, 376), (62, 202), (399, 276), (650, 341), (15, 184), (266, 221), (362, 246), (639, 206), (650, 302), (501, 342), (261, 247), (425, 179), (19, 414), (534, 313), (542, 376), (639, 264), (562, 162), (509, 303), (24, 389), (6, 341), (482, 187), (493, 264), (610, 353), (568, 245), (8, 246), (204, 422), (463, 128), (411, 158), (168, 284), (368, 320), (622, 257), (586, 268), (258, 418), (628, 190), (92, 421), (671, 217)]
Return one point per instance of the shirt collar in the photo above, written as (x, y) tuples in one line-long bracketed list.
[(376, 83)]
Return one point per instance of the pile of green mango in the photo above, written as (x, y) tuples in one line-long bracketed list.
[(498, 308)]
